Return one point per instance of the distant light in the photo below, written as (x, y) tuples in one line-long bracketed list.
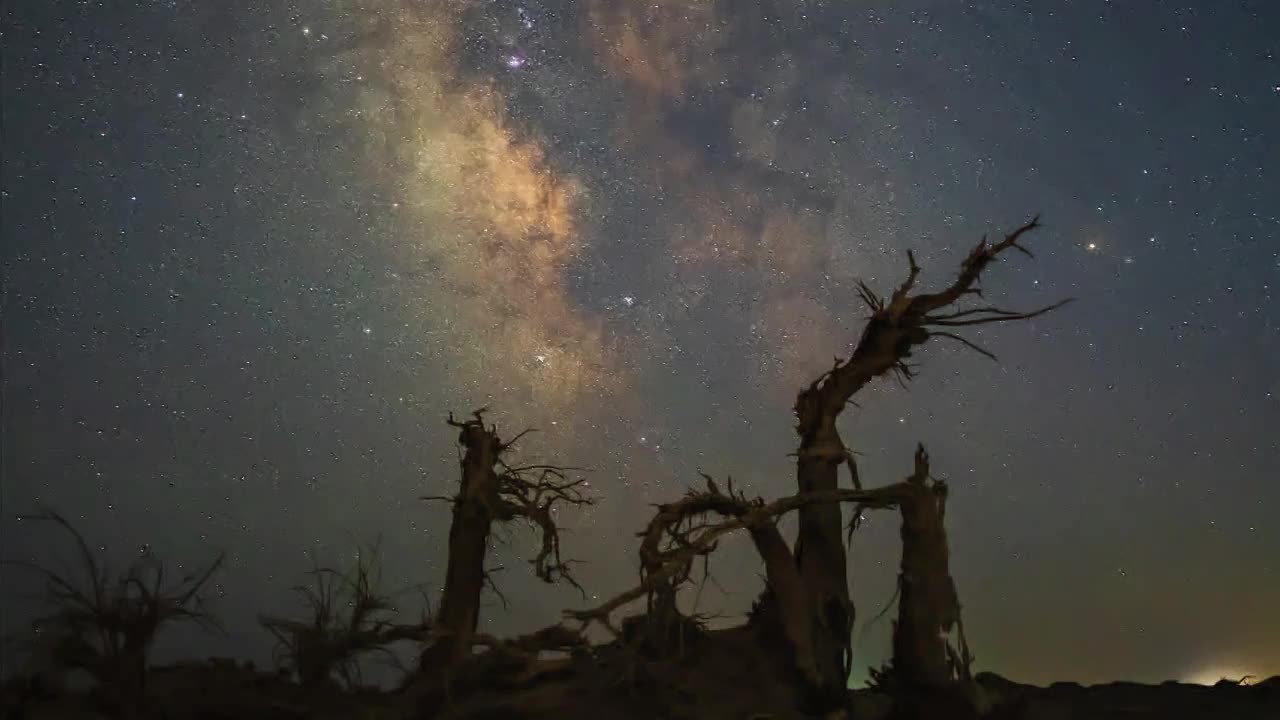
[(515, 62), (1092, 246), (1215, 674), (306, 31)]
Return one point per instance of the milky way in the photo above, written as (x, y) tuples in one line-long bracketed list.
[(255, 255)]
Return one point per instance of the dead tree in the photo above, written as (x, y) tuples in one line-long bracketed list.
[(106, 625), (929, 607), (807, 593), (926, 672), (492, 491), (896, 326), (806, 601), (350, 619)]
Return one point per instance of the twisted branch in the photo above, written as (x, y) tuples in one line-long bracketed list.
[(678, 534), (904, 321), (536, 500)]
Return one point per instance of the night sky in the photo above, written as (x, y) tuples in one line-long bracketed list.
[(255, 252)]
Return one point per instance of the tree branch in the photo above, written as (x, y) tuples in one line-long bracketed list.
[(900, 324), (662, 563)]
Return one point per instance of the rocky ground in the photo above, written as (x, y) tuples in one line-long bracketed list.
[(225, 690)]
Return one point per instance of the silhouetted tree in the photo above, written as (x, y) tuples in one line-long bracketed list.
[(492, 490), (806, 600), (106, 625), (796, 645), (350, 619)]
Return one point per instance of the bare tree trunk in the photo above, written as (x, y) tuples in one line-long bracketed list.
[(820, 552), (928, 607), (473, 513)]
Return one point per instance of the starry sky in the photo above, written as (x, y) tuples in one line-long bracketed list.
[(255, 252)]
